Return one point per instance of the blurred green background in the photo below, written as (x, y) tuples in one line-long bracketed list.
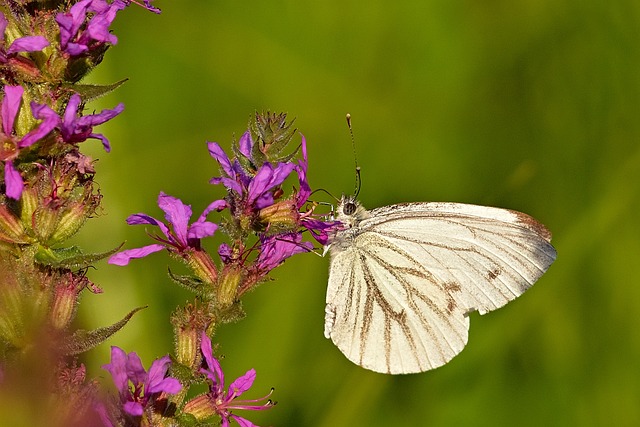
[(530, 105)]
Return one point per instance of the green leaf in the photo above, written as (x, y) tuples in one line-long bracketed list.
[(192, 283), (70, 258), (92, 92), (82, 340)]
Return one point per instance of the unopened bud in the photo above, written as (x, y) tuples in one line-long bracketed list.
[(230, 279), (11, 229), (65, 300), (281, 216)]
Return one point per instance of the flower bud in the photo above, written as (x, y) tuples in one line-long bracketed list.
[(230, 279), (281, 216), (11, 229), (45, 222), (69, 222), (29, 202), (201, 407), (65, 299), (188, 323)]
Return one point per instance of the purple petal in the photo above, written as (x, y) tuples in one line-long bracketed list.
[(75, 49), (142, 219), (71, 22), (263, 201), (103, 139), (135, 371), (10, 107), (123, 258), (221, 157), (228, 183), (224, 251), (320, 229), (198, 230), (150, 8), (275, 249), (98, 27), (305, 190), (157, 382), (101, 6), (243, 383), (133, 408), (170, 385), (3, 26), (217, 205), (118, 369), (102, 412), (28, 44), (139, 219), (102, 117), (65, 23), (267, 178), (246, 144), (177, 214), (243, 422), (214, 373), (13, 181), (69, 117), (50, 120)]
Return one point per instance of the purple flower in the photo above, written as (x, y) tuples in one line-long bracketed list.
[(11, 143), (178, 235), (147, 5), (222, 402), (275, 249), (147, 386), (74, 40), (255, 192), (22, 44), (301, 168), (75, 128)]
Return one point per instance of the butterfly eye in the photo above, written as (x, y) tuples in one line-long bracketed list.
[(349, 208)]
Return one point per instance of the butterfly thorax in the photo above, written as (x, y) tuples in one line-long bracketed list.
[(350, 213)]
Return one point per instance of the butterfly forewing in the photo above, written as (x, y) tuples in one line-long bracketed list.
[(404, 278)]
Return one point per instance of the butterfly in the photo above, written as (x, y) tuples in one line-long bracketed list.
[(404, 278)]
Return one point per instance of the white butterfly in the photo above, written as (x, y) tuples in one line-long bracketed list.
[(404, 278)]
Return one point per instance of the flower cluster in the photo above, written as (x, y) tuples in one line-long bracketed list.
[(72, 129), (138, 389), (257, 206), (21, 44), (47, 192), (220, 402)]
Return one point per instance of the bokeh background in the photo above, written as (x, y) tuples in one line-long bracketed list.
[(530, 104)]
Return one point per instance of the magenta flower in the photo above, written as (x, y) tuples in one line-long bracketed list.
[(10, 144), (221, 402), (76, 37), (252, 193), (145, 386), (255, 192), (318, 228), (75, 128), (147, 5), (22, 44), (275, 249), (179, 236)]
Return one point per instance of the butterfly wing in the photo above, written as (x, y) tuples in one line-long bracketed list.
[(403, 280)]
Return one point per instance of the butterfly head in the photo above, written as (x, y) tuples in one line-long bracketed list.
[(350, 212)]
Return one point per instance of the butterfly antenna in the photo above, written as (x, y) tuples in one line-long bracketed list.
[(355, 158)]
